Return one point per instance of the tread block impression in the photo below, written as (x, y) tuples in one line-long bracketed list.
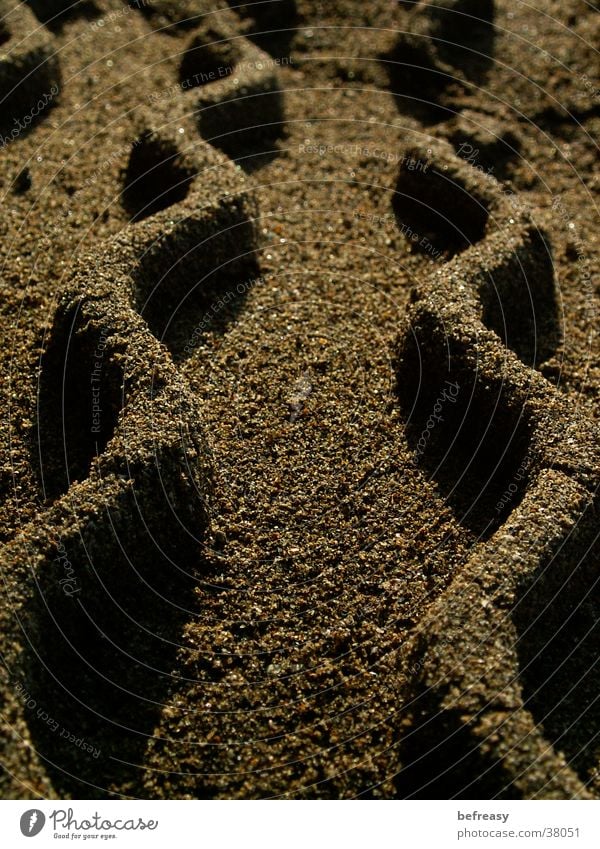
[(113, 587), (420, 82), (519, 300), (434, 202), (464, 395), (270, 23), (156, 177), (504, 661), (79, 399), (463, 30), (557, 618), (191, 242), (29, 67), (441, 47), (445, 206), (98, 367), (235, 84), (111, 601), (465, 425)]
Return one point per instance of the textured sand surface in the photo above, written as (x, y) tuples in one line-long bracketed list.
[(300, 375)]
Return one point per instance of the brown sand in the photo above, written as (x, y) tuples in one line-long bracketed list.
[(281, 576)]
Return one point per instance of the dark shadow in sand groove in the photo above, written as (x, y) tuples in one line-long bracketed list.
[(237, 127), (442, 760), (271, 23), (69, 435), (432, 205), (104, 634), (426, 68), (466, 40), (4, 33), (240, 121), (472, 439), (522, 309), (155, 177), (55, 13), (519, 299), (193, 299), (417, 85), (558, 621)]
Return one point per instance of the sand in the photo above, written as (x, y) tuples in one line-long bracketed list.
[(300, 373)]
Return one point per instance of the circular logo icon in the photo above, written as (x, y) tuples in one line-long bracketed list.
[(32, 822)]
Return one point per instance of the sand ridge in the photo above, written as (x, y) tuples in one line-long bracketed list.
[(286, 564)]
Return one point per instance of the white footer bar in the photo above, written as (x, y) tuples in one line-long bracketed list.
[(302, 825)]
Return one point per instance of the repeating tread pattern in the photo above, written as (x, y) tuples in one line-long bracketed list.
[(139, 453), (235, 88), (513, 470), (491, 679)]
